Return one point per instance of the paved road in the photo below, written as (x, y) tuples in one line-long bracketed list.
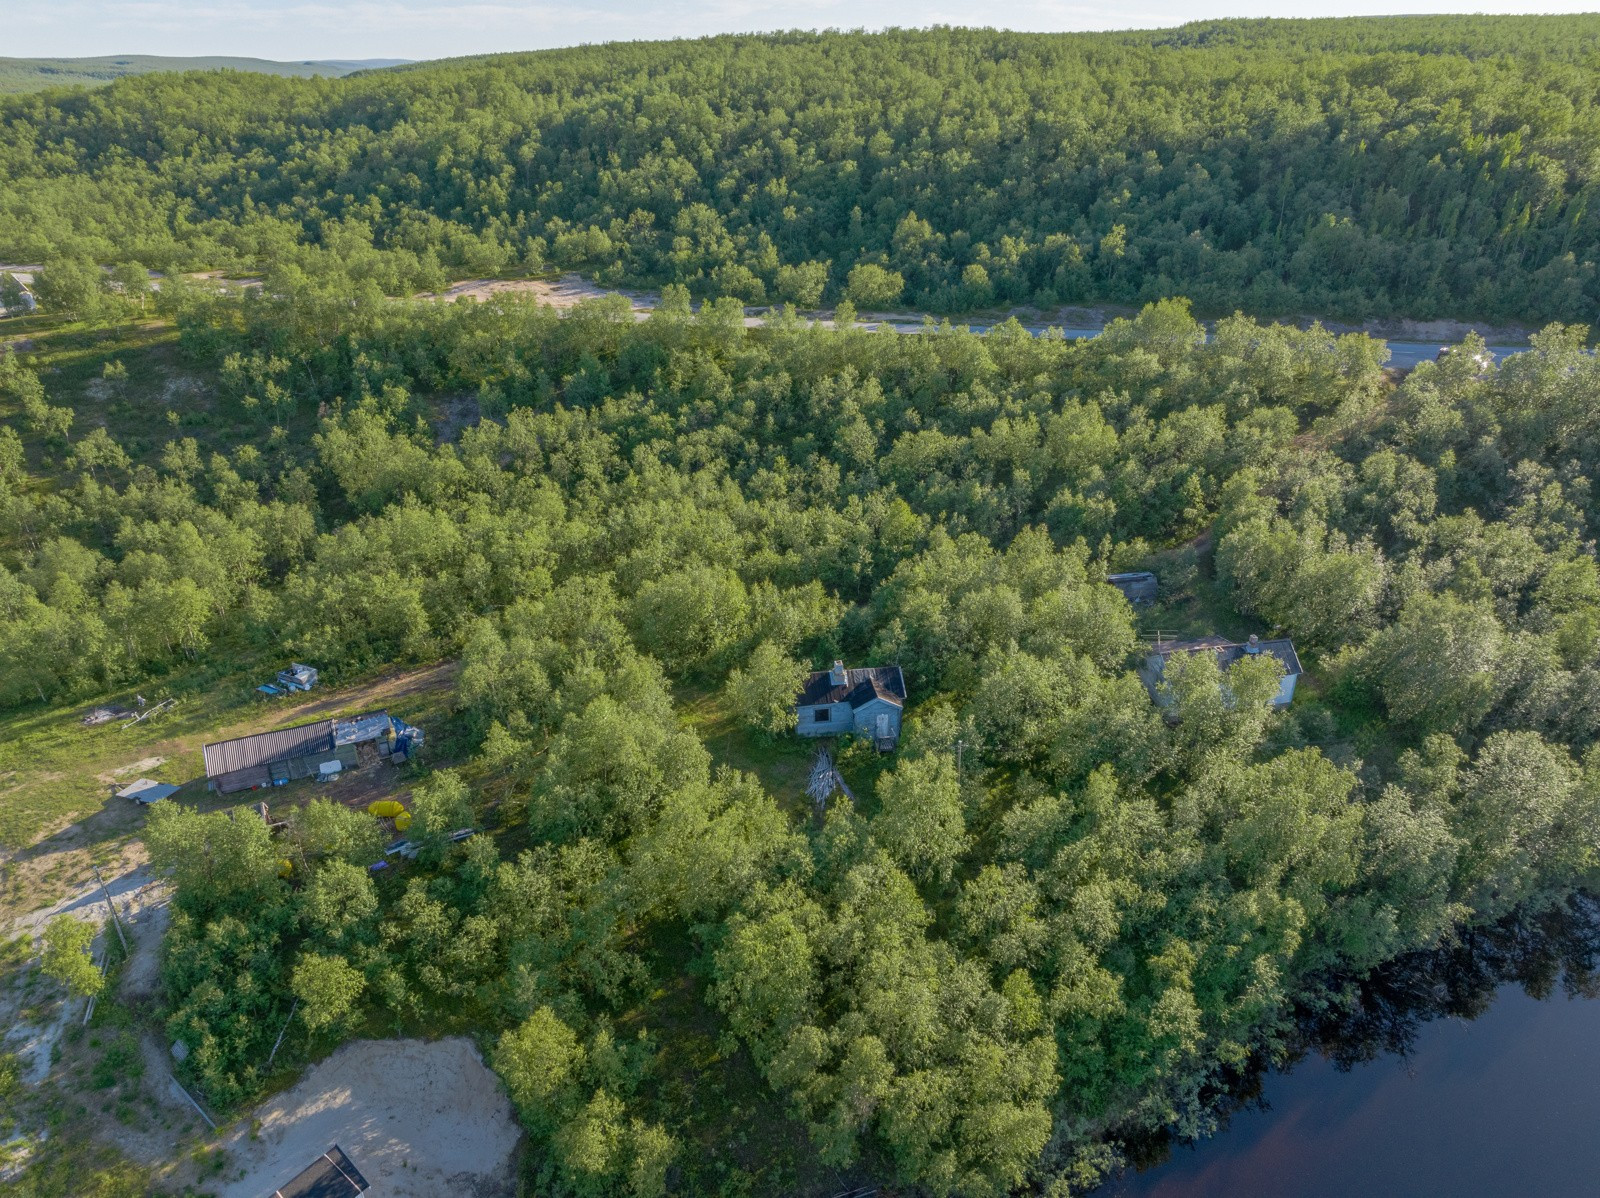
[(1403, 355)]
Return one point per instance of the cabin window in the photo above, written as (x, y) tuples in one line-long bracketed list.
[(822, 715)]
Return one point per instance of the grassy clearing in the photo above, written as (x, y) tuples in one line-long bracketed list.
[(57, 810), (700, 1072), (163, 396), (781, 763)]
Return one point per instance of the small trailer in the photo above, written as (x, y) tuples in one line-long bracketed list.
[(145, 791)]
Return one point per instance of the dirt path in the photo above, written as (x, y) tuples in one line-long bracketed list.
[(377, 693), (418, 1119), (572, 289)]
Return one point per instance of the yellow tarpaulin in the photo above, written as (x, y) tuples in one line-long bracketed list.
[(384, 808)]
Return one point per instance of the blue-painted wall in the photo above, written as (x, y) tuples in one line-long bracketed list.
[(838, 720), (863, 720)]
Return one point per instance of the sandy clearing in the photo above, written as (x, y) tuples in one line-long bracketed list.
[(418, 1119), (143, 766), (565, 292), (34, 1043), (148, 914), (87, 901)]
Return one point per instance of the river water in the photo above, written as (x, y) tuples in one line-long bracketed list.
[(1506, 1103)]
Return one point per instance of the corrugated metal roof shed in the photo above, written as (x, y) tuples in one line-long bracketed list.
[(1229, 652), (247, 752)]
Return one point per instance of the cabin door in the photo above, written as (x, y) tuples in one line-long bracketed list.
[(883, 725)]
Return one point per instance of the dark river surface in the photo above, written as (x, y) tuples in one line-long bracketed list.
[(1496, 1094)]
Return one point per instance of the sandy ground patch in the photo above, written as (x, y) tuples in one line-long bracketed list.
[(146, 913), (181, 387), (88, 902), (565, 292), (34, 1042), (143, 766), (419, 1120)]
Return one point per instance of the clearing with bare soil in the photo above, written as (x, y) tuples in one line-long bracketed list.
[(568, 291), (72, 769), (418, 1119)]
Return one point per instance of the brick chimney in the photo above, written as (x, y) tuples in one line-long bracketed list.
[(839, 676)]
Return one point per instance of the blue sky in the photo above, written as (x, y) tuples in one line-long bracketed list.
[(298, 29)]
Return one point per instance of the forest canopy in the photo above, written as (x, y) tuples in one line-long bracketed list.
[(1405, 167), (1058, 917), (1070, 910)]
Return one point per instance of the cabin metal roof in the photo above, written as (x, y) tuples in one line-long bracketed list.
[(303, 740), (860, 687), (372, 726), (247, 752), (1228, 652)]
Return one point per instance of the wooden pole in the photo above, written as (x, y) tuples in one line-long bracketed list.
[(199, 1110), (112, 907), (88, 1007)]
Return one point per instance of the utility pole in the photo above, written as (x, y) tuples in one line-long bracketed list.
[(112, 907)]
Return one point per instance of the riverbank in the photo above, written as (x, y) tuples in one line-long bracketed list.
[(1463, 1073)]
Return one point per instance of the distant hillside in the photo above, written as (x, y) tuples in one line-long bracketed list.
[(1419, 167), (35, 74)]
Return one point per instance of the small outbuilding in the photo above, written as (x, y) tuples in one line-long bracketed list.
[(867, 702), (145, 791), (1137, 587), (297, 678), (331, 1175), (274, 758), (1227, 652)]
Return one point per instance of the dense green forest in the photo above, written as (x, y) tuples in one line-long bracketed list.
[(1416, 167), (1054, 919), (1060, 919)]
